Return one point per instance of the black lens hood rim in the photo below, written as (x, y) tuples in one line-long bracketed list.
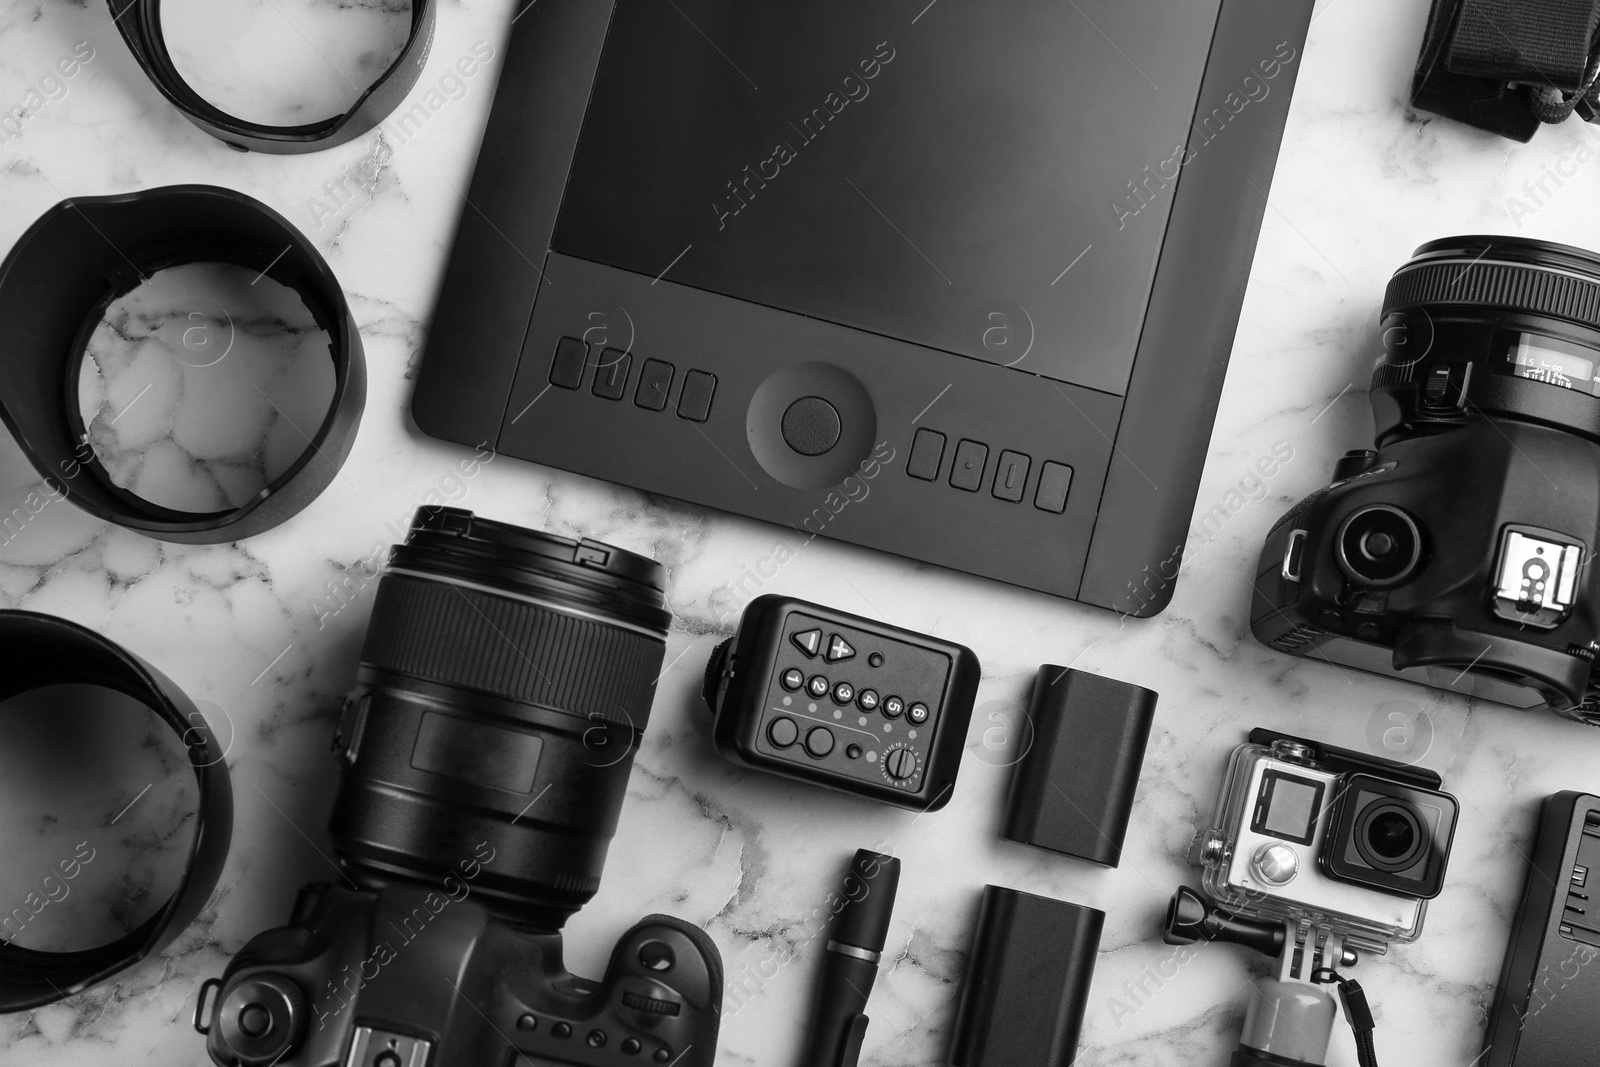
[(84, 253), (45, 650), (448, 543), (140, 24)]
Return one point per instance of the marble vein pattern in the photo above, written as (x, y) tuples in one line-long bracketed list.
[(266, 632)]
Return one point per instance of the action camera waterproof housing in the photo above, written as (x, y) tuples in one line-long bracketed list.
[(1314, 835), (1457, 552), (1316, 854)]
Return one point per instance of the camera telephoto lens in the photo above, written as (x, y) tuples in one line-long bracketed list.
[(505, 683), (1389, 835)]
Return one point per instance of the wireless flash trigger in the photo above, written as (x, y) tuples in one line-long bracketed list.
[(818, 695)]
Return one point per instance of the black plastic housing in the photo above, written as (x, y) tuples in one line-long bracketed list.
[(746, 694)]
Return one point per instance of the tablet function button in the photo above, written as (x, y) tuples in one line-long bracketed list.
[(694, 403), (567, 368), (1010, 476), (1055, 479), (967, 471), (927, 450), (612, 376), (655, 382)]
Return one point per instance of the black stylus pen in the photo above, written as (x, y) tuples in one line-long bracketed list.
[(850, 964)]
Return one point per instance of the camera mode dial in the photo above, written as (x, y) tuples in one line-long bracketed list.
[(261, 1019)]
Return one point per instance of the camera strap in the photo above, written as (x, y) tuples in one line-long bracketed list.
[(1356, 1012), (1507, 66), (140, 23)]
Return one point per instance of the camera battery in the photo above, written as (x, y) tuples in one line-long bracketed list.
[(1073, 790)]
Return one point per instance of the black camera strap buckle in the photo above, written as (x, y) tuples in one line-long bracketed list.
[(1507, 66)]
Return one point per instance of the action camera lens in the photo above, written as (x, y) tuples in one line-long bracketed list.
[(1389, 835), (1379, 546)]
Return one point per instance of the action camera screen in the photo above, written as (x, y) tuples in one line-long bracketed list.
[(1288, 807)]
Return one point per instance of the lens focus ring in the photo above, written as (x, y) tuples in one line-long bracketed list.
[(517, 648), (1478, 278)]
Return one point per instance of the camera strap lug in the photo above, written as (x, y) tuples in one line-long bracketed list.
[(201, 1023)]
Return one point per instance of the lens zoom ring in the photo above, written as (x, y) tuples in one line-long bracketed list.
[(457, 636), (1504, 285)]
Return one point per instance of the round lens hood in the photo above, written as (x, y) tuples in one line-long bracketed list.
[(140, 24), (85, 253), (43, 650)]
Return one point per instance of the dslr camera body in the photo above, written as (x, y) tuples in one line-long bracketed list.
[(419, 977), (1457, 553), (1314, 855), (505, 684)]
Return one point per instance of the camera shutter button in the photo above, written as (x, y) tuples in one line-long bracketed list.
[(1275, 863)]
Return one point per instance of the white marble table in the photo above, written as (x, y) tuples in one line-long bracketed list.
[(1361, 181)]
